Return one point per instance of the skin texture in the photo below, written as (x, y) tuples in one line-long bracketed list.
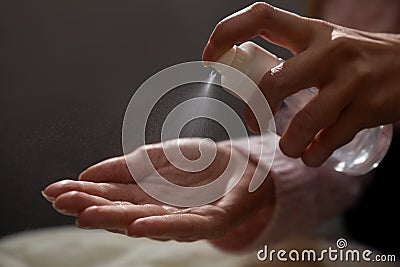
[(355, 71), (376, 15), (107, 197)]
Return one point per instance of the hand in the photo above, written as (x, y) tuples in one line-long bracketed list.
[(107, 197), (356, 73)]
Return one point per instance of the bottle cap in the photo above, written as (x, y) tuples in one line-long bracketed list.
[(259, 61), (235, 57)]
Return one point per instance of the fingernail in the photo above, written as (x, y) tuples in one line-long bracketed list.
[(48, 198)]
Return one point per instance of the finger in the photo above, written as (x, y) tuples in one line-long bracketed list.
[(111, 191), (251, 120), (116, 231), (260, 19), (71, 203), (110, 170), (320, 112), (181, 227), (302, 71), (116, 217), (331, 138), (52, 191)]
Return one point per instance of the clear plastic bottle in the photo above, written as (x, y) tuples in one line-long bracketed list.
[(358, 157)]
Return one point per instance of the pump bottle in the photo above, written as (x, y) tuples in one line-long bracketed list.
[(358, 157)]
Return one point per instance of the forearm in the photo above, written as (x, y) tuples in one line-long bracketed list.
[(305, 197)]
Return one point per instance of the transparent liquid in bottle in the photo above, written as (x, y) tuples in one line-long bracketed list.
[(361, 155)]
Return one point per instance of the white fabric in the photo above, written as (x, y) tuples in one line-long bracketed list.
[(72, 247)]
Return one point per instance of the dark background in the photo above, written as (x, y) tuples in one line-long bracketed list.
[(67, 72)]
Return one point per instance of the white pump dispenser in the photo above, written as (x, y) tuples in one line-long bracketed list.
[(360, 156)]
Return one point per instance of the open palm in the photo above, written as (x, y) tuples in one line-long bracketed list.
[(107, 197)]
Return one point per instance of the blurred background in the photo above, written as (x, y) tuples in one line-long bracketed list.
[(68, 70)]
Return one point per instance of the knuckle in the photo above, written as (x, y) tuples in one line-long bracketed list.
[(126, 214), (278, 74), (84, 218), (304, 121), (143, 148), (76, 195), (320, 25), (69, 185), (261, 11), (149, 151), (361, 70), (342, 46), (68, 199), (260, 8), (219, 32), (271, 84), (90, 212)]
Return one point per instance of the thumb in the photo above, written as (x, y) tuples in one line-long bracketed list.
[(110, 170), (260, 19)]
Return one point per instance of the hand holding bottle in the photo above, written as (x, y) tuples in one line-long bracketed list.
[(355, 72)]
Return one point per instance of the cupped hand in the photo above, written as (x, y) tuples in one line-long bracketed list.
[(356, 73), (107, 197)]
